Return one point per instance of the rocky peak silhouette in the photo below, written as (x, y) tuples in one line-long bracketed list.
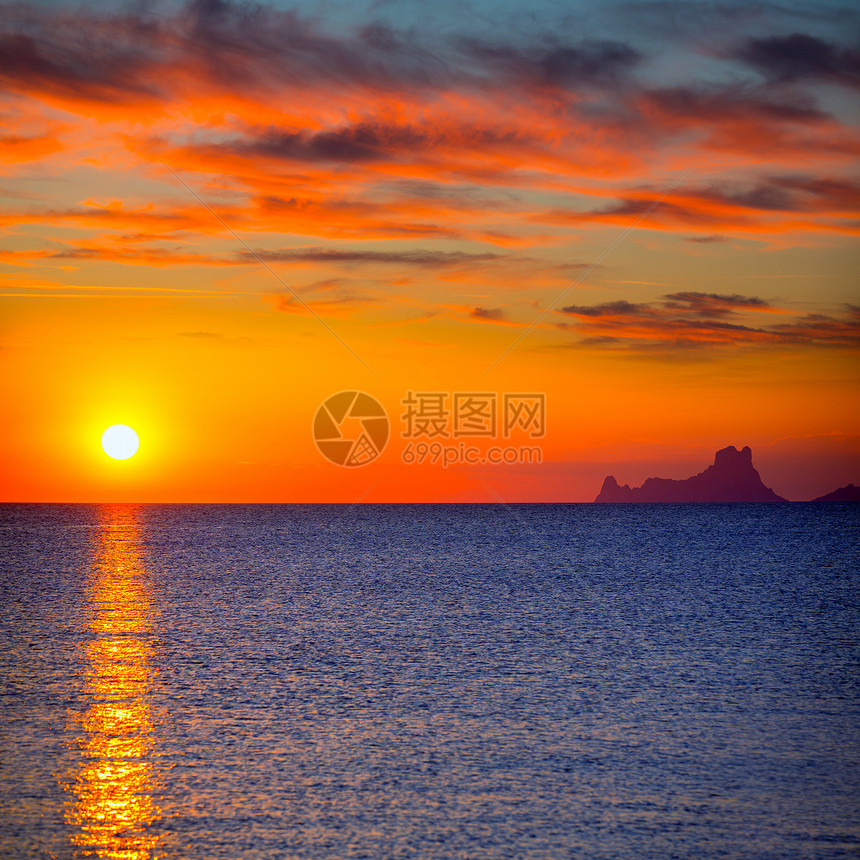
[(731, 478)]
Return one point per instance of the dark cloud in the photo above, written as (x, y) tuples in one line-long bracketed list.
[(817, 192), (732, 103), (239, 43), (121, 57), (349, 145), (491, 314), (360, 142), (800, 56), (633, 207), (673, 304), (259, 52), (146, 51), (420, 258), (152, 254), (791, 194), (822, 330), (770, 197), (788, 194), (555, 64), (729, 206), (687, 320), (607, 309), (107, 70), (234, 46), (714, 304)]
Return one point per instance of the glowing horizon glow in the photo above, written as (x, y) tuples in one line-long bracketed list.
[(120, 442)]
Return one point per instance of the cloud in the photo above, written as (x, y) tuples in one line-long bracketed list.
[(488, 314), (686, 302), (730, 103), (714, 304), (608, 309), (361, 142), (419, 258), (692, 320), (80, 59), (235, 47), (744, 119), (823, 330), (339, 305), (147, 256), (20, 148), (553, 63), (773, 204), (147, 221), (228, 47), (800, 56), (484, 315), (288, 123)]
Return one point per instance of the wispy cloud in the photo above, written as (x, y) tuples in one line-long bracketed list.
[(488, 314), (419, 258), (714, 304), (692, 320), (338, 303), (771, 205)]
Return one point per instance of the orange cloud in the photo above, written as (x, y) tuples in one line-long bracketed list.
[(284, 127), (269, 104)]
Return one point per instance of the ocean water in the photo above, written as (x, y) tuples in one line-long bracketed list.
[(408, 681)]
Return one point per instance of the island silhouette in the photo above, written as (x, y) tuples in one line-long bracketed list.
[(848, 493), (732, 478)]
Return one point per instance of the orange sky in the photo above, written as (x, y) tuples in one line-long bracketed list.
[(213, 218)]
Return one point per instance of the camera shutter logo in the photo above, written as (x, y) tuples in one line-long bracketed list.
[(351, 428)]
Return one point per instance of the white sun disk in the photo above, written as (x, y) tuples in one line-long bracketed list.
[(120, 442)]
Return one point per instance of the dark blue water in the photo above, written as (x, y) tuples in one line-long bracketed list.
[(465, 681)]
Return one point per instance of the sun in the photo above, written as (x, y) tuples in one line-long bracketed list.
[(120, 442)]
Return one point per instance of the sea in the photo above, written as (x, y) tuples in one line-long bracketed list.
[(429, 681)]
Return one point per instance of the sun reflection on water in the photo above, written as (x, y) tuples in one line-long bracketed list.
[(112, 803)]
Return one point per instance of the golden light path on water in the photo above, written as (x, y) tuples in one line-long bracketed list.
[(112, 792)]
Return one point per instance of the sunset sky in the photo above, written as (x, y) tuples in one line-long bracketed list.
[(216, 215)]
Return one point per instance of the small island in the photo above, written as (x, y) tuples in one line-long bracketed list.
[(848, 493), (731, 478)]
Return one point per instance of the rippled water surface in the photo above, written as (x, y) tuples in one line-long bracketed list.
[(429, 681)]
